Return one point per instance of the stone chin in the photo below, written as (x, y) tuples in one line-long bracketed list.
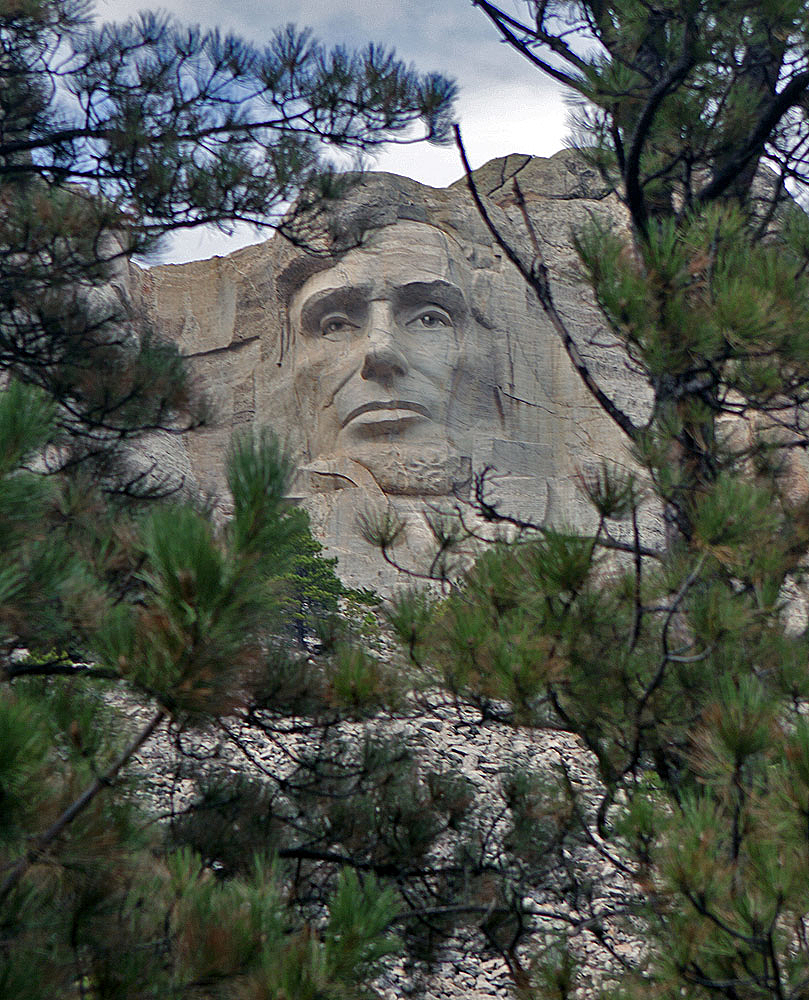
[(425, 470)]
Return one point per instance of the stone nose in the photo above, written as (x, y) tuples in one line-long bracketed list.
[(383, 359)]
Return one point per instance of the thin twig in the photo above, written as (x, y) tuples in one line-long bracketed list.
[(537, 277)]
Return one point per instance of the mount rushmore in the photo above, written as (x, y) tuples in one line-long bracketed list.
[(402, 355)]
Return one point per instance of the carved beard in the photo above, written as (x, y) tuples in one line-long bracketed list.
[(431, 470)]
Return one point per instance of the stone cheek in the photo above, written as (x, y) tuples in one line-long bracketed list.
[(407, 363)]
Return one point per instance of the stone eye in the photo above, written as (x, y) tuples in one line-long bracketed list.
[(335, 326), (431, 319)]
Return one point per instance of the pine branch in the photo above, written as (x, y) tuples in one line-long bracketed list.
[(507, 26), (57, 668), (634, 191), (793, 94), (20, 867), (537, 277)]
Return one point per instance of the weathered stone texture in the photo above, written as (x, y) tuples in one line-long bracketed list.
[(444, 364), (442, 737)]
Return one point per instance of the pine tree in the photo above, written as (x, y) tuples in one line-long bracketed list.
[(680, 667), (122, 618), (93, 899)]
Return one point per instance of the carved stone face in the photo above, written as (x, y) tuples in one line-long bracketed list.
[(382, 348)]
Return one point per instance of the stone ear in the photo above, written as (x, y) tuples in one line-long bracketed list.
[(481, 299)]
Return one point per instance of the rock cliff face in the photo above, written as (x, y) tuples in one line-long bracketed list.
[(404, 356)]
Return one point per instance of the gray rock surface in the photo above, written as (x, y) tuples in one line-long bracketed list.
[(442, 736), (405, 355), (402, 358)]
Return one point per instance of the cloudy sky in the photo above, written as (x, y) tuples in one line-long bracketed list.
[(505, 106)]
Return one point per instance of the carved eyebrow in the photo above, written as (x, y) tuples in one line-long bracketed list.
[(355, 297), (441, 293), (318, 304)]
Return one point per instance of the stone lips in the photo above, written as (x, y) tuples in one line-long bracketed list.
[(396, 409)]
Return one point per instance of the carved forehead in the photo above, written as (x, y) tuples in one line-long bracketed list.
[(395, 257)]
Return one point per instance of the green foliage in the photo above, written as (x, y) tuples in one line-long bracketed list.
[(674, 661), (119, 619), (26, 418), (677, 658), (23, 757), (258, 474), (384, 804), (92, 894), (554, 975), (542, 814), (358, 680), (357, 935), (313, 586), (122, 620)]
